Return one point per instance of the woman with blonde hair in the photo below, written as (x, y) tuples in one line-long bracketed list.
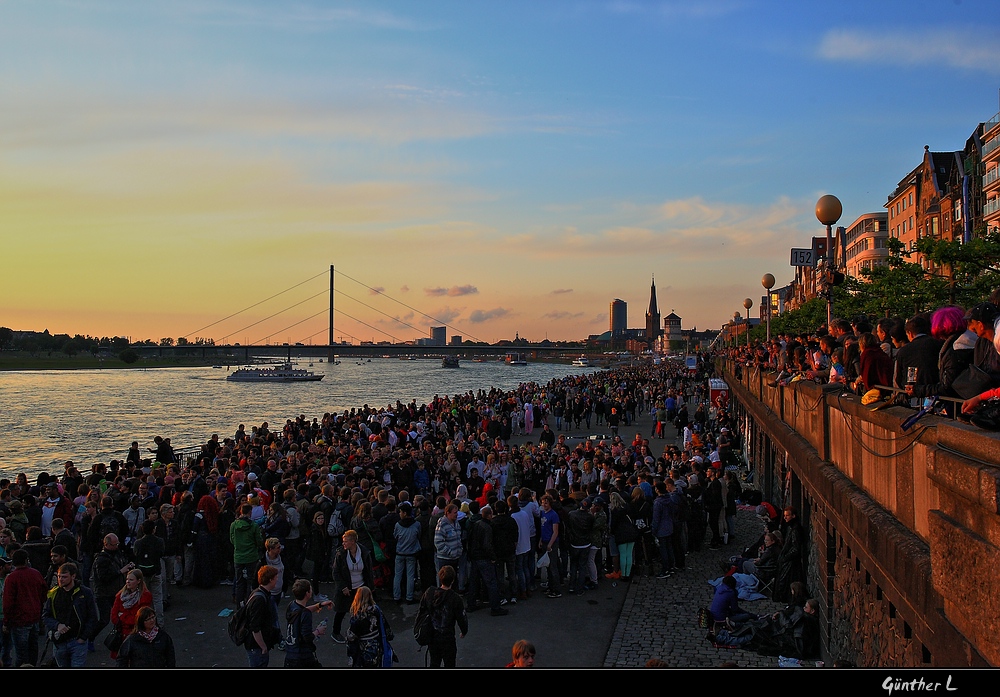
[(368, 634), (128, 601)]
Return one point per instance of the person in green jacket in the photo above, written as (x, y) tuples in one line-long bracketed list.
[(248, 546)]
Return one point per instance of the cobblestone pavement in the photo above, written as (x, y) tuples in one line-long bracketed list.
[(659, 618)]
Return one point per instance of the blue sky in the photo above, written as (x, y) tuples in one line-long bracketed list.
[(503, 167)]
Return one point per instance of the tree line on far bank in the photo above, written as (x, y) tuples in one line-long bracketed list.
[(44, 343), (958, 274)]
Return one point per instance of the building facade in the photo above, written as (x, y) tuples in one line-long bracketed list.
[(619, 318)]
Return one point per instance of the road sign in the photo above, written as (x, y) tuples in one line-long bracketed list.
[(803, 257)]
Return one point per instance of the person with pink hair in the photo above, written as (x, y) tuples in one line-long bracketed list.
[(948, 324)]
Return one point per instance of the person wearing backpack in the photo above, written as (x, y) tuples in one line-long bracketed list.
[(445, 609), (262, 619)]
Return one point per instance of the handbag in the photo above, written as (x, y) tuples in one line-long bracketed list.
[(971, 382), (114, 639), (987, 416), (543, 561)]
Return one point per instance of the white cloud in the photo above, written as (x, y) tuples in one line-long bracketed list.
[(972, 49)]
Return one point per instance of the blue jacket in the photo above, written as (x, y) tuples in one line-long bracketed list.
[(407, 534), (664, 511), (724, 602)]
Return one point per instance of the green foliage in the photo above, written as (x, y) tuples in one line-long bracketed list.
[(129, 356), (962, 274)]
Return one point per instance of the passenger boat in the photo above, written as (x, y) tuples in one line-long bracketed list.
[(581, 362), (280, 373), (517, 359), (449, 362)]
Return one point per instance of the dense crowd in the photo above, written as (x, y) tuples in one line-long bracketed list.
[(421, 503)]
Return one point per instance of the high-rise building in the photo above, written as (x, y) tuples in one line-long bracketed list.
[(619, 318), (991, 174), (652, 315), (438, 336)]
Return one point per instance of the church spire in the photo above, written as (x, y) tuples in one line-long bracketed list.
[(652, 314)]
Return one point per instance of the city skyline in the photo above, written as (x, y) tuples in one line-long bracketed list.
[(506, 169)]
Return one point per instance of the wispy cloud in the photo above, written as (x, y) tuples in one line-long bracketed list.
[(453, 292), (966, 48), (447, 315), (562, 315), (672, 9), (404, 289), (378, 290), (478, 316), (290, 17), (561, 291)]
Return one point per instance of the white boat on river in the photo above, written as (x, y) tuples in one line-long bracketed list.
[(281, 373)]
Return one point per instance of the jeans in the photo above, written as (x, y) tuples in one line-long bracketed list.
[(578, 573), (155, 585), (666, 551), (406, 565), (524, 570), (245, 581), (485, 571), (506, 571), (6, 649), (441, 562), (25, 642), (443, 652), (70, 654), (257, 658)]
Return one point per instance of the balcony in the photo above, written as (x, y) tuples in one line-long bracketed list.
[(991, 124), (990, 177), (990, 207), (991, 145)]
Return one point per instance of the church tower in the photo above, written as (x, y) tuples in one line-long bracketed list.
[(652, 315)]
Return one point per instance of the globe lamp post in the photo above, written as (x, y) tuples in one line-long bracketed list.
[(828, 211), (768, 282), (748, 303)]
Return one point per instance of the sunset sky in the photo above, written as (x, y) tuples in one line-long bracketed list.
[(500, 166)]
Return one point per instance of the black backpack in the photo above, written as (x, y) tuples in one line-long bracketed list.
[(239, 632), (424, 626)]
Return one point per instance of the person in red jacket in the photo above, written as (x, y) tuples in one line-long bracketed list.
[(23, 596)]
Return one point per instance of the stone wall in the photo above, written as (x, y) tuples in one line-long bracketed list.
[(904, 527)]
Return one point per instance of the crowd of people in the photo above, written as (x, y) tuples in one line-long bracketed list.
[(378, 504), (950, 354)]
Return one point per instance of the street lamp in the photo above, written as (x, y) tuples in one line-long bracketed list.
[(828, 211), (768, 282), (748, 303), (736, 329)]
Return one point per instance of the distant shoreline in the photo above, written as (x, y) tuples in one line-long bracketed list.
[(33, 363)]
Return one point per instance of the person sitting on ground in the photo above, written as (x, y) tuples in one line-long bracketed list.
[(725, 603), (794, 634)]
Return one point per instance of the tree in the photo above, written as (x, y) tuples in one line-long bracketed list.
[(6, 338), (129, 356), (166, 341)]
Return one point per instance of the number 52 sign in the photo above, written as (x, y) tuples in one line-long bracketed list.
[(803, 257)]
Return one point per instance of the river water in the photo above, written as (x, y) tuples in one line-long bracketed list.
[(89, 416)]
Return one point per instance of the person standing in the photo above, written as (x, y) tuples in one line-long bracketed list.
[(71, 614), (132, 597), (448, 539), (23, 596), (262, 619), (149, 553), (149, 646), (300, 639), (446, 608), (547, 542), (407, 534), (352, 568), (248, 545), (108, 576)]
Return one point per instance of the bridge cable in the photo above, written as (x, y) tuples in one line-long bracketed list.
[(255, 305)]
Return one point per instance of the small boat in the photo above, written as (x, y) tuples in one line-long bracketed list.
[(449, 362), (280, 373), (516, 359), (581, 362)]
